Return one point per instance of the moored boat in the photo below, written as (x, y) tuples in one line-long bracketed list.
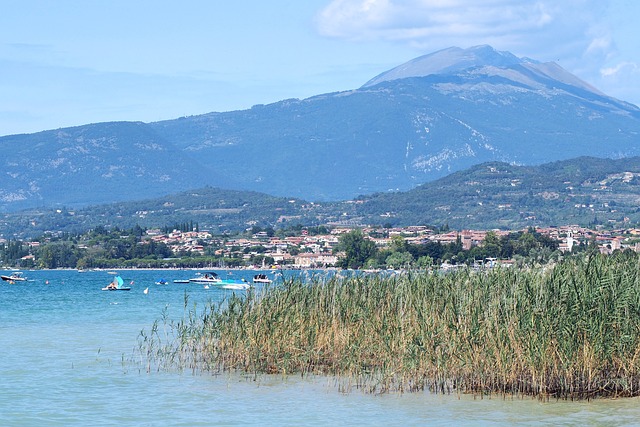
[(261, 278), (116, 285), (209, 277)]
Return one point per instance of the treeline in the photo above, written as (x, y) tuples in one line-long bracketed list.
[(114, 247), (183, 226), (360, 252), (97, 248)]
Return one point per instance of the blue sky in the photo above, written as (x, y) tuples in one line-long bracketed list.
[(71, 62)]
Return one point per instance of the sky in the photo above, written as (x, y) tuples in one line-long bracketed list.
[(73, 62)]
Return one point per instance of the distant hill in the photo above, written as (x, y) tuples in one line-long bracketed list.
[(421, 121), (213, 209), (584, 191)]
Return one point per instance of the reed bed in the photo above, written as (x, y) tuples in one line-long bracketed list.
[(571, 331)]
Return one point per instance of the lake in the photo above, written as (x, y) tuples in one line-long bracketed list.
[(65, 359)]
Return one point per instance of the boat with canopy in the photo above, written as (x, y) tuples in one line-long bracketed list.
[(116, 285)]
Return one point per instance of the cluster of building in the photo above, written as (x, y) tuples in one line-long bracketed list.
[(307, 251)]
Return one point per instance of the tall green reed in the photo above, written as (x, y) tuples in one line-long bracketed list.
[(567, 331)]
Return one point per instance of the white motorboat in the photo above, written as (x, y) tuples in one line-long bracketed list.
[(209, 277), (14, 277)]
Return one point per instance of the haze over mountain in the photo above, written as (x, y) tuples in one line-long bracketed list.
[(420, 121)]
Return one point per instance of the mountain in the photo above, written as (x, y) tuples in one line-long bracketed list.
[(421, 121), (435, 115), (484, 60), (91, 164), (585, 191)]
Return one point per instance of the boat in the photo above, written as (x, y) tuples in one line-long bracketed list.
[(181, 281), (162, 282), (16, 276), (209, 277), (116, 285), (261, 278)]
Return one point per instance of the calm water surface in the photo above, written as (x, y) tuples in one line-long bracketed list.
[(65, 349)]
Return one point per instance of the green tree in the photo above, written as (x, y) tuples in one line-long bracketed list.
[(398, 244), (399, 260), (356, 248), (424, 261), (57, 255), (491, 245)]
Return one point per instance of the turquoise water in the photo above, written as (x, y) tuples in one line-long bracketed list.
[(65, 349)]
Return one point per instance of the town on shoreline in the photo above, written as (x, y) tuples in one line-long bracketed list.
[(309, 247)]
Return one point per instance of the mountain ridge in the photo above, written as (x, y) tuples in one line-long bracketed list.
[(584, 191), (391, 136)]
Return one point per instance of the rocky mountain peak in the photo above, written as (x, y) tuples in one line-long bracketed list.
[(449, 61)]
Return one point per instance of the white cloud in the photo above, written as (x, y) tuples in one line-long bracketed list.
[(563, 29), (623, 68)]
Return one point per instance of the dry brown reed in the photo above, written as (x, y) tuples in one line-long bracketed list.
[(571, 331)]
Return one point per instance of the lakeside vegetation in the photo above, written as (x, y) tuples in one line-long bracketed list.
[(569, 331)]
